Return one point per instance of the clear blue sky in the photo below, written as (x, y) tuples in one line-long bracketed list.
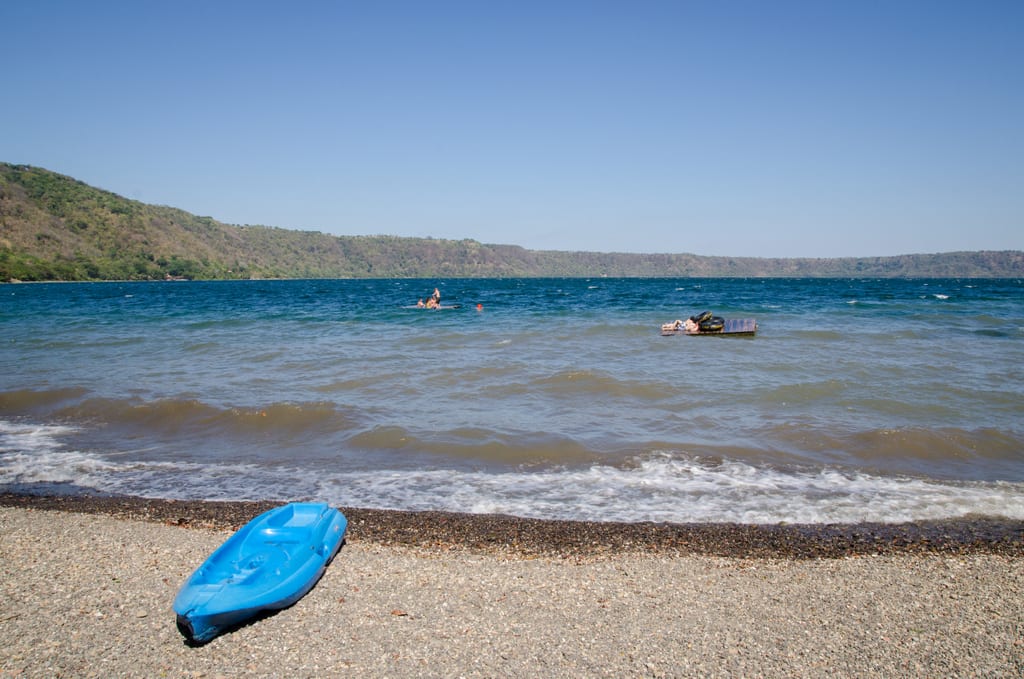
[(767, 128)]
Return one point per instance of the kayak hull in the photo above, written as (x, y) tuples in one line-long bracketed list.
[(268, 564)]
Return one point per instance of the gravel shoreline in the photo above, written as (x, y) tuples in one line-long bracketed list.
[(87, 586), (533, 537)]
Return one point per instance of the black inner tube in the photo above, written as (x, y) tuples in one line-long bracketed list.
[(701, 317), (712, 324)]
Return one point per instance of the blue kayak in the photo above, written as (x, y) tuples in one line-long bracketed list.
[(269, 563)]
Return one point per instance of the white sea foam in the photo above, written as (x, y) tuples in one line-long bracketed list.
[(661, 487), (681, 491), (31, 437)]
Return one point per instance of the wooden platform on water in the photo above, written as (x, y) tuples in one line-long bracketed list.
[(737, 326)]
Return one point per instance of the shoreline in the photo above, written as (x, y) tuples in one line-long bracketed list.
[(515, 536), (88, 586)]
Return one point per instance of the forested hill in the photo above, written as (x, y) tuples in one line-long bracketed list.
[(53, 227)]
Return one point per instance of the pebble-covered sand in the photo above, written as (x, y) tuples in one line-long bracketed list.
[(86, 586)]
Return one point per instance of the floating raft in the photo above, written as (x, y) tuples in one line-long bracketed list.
[(432, 308), (738, 326)]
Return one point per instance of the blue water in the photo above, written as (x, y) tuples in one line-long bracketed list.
[(857, 400)]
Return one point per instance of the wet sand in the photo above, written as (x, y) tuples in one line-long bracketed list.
[(533, 537)]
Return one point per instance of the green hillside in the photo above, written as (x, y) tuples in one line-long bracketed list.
[(55, 228)]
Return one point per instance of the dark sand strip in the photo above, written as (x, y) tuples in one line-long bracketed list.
[(534, 537)]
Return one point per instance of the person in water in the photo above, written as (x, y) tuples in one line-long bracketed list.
[(436, 296)]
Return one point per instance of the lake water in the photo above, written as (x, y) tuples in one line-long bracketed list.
[(857, 400)]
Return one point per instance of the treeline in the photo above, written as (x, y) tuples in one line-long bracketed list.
[(55, 228)]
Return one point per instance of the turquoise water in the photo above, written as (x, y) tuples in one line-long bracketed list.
[(858, 400)]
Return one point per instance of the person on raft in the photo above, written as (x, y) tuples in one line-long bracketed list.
[(433, 302), (690, 325)]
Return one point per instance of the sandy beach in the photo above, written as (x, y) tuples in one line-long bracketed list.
[(87, 587)]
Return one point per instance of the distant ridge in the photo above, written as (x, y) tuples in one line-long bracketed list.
[(56, 228)]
